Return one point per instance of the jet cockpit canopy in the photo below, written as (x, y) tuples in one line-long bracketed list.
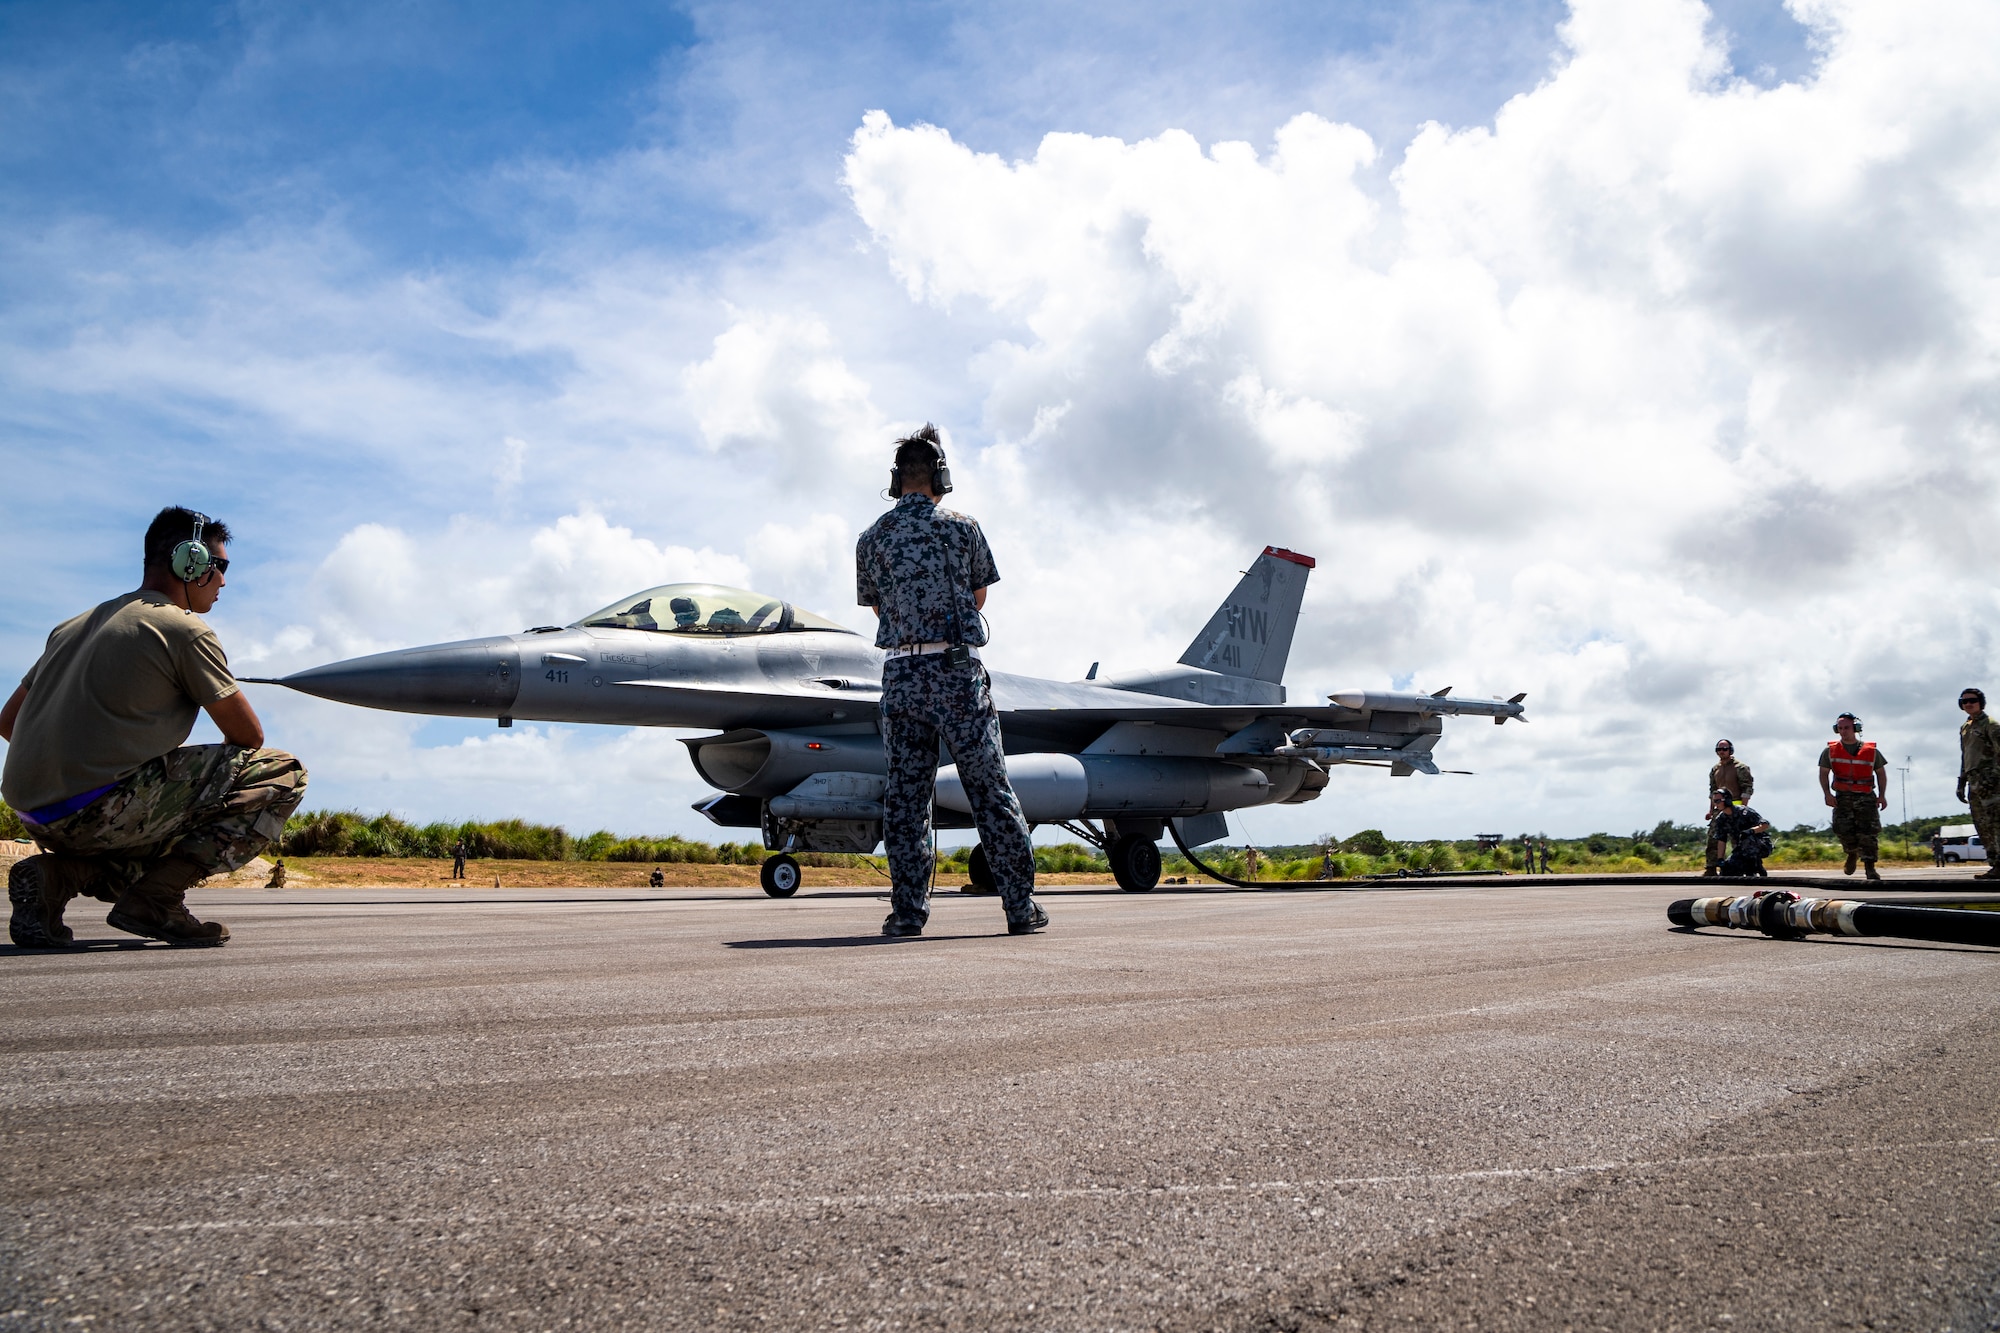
[(706, 608)]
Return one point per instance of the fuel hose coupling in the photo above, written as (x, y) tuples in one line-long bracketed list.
[(1786, 916)]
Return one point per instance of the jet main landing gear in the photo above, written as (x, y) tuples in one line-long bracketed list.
[(1135, 863), (780, 876), (979, 874)]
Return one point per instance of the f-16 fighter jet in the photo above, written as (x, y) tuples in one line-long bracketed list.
[(794, 750)]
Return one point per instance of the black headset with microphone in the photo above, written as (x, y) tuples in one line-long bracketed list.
[(940, 470)]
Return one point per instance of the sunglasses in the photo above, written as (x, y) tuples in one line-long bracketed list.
[(220, 564)]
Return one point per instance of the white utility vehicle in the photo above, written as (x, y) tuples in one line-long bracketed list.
[(1961, 843)]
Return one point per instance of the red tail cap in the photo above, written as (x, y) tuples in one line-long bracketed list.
[(1292, 556)]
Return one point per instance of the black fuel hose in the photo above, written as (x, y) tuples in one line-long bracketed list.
[(1784, 915)]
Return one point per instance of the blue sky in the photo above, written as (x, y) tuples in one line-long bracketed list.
[(419, 284)]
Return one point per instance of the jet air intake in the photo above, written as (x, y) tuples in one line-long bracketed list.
[(1057, 787), (773, 763)]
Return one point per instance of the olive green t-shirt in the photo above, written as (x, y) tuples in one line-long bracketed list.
[(115, 687)]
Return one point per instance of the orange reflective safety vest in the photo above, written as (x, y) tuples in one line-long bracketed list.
[(1852, 772)]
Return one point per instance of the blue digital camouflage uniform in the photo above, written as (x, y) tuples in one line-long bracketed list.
[(1748, 845), (919, 565), (1979, 770)]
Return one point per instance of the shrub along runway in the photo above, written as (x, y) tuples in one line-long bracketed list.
[(1522, 1106)]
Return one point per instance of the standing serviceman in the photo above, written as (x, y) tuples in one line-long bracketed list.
[(1731, 776), (1979, 773), (1854, 777), (925, 570), (123, 811)]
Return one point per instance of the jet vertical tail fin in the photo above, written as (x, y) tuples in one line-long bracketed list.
[(1250, 634)]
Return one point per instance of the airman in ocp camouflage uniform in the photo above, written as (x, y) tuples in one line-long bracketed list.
[(925, 570), (1979, 773), (122, 810), (1732, 777)]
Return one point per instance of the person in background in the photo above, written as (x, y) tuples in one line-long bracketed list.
[(1731, 777), (1854, 778), (1749, 837), (1979, 772)]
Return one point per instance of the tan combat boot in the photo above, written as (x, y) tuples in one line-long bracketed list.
[(156, 906), (39, 888)]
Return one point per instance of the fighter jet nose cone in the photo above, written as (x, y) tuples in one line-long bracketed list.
[(474, 678)]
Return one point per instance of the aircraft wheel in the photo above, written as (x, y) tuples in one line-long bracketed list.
[(1135, 864), (780, 876), (979, 873)]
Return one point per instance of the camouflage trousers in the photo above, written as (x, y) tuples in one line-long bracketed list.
[(1985, 803), (217, 805), (1857, 823), (925, 702)]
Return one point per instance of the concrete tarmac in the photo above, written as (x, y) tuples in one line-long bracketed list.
[(1521, 1107)]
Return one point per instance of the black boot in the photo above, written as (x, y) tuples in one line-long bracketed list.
[(1030, 921), (156, 906), (39, 888)]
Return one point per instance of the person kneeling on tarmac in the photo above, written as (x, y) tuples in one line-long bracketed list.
[(123, 811), (1749, 838)]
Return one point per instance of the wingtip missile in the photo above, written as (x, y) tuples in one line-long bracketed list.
[(1440, 704)]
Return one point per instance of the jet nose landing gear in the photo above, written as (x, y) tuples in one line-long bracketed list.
[(780, 876)]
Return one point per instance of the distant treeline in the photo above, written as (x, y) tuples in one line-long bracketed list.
[(351, 833), (1667, 844)]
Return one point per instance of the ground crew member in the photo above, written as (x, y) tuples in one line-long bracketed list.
[(95, 766), (1854, 778), (1979, 773), (458, 859), (925, 570), (1729, 775), (1749, 838)]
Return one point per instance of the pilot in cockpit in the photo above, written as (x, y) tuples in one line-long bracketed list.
[(686, 613), (727, 619)]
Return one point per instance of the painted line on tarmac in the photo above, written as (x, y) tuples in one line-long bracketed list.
[(947, 1198)]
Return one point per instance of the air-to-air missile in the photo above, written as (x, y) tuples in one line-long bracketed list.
[(1784, 915), (791, 700)]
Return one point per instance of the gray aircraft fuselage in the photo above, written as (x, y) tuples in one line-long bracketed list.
[(792, 704)]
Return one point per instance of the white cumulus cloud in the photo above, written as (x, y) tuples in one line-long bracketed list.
[(1666, 396)]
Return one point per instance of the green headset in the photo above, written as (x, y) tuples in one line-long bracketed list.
[(191, 561)]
